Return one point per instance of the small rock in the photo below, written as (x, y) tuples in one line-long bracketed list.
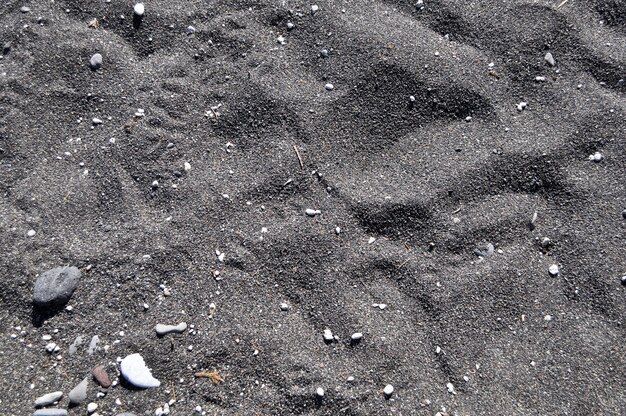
[(549, 59), (356, 337), (31, 233), (319, 392), (329, 87), (540, 79), (521, 106), (324, 53), (93, 345), (596, 157), (450, 388), (312, 212), (190, 30), (328, 335), (92, 407), (55, 286), (484, 250), (553, 270), (290, 26), (162, 329), (79, 393), (533, 221), (75, 344), (187, 166), (314, 8), (52, 347), (139, 9), (48, 399), (135, 371), (624, 280), (284, 307), (101, 376), (50, 412), (96, 61), (25, 9), (388, 390)]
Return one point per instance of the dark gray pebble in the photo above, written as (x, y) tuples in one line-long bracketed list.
[(55, 286)]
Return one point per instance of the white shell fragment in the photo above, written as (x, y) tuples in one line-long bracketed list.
[(135, 371)]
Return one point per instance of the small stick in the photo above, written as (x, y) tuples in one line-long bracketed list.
[(562, 4), (299, 158)]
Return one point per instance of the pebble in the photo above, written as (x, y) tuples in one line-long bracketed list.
[(312, 212), (187, 166), (314, 8), (55, 286), (92, 407), (319, 392), (624, 214), (521, 106), (96, 61), (540, 79), (48, 399), (93, 345), (328, 335), (596, 157), (25, 9), (329, 87), (549, 59), (75, 344), (162, 329), (624, 280), (553, 270), (134, 370), (79, 393), (350, 379), (101, 376), (450, 388), (290, 26), (96, 121), (388, 390), (190, 30), (139, 9), (50, 412), (484, 250), (52, 347), (284, 307), (356, 337), (31, 233), (324, 53)]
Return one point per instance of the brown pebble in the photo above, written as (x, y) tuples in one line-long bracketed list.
[(101, 376)]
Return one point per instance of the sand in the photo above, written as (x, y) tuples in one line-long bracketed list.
[(414, 186)]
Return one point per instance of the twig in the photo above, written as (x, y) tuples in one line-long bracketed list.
[(298, 154), (562, 4)]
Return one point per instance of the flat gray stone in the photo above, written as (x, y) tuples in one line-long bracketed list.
[(79, 393), (135, 371), (50, 412), (48, 399), (162, 329), (484, 250), (55, 286)]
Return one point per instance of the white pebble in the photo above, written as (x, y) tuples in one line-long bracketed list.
[(553, 270), (540, 79), (312, 212), (388, 390), (314, 8), (357, 336), (92, 407), (329, 87), (319, 392), (284, 307), (521, 106), (450, 388), (328, 335), (596, 157), (139, 9), (31, 233), (187, 166)]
